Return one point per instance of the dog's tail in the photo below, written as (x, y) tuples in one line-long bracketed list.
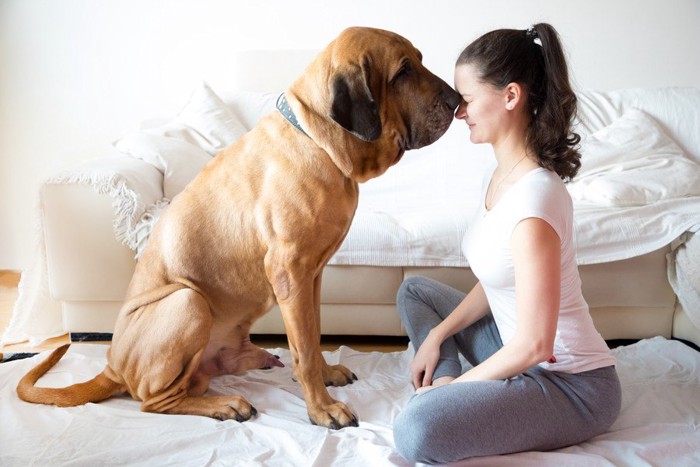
[(97, 389)]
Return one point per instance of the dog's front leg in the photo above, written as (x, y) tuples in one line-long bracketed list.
[(301, 319), (333, 375)]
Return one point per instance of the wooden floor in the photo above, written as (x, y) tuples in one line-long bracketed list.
[(8, 296)]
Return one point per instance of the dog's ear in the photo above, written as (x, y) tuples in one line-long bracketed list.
[(353, 107)]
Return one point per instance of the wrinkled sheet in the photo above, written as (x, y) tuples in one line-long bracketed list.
[(659, 423), (684, 274)]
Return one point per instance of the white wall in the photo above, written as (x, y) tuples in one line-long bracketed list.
[(77, 74)]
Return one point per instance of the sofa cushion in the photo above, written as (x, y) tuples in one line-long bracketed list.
[(360, 284)]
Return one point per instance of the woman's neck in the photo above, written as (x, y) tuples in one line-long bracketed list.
[(509, 153), (510, 144)]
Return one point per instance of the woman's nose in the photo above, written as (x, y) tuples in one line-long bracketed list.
[(461, 111)]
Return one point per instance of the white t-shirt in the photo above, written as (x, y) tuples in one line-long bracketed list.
[(542, 194)]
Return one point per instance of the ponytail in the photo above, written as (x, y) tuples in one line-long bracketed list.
[(549, 133)]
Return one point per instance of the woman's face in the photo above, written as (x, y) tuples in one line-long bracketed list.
[(483, 106)]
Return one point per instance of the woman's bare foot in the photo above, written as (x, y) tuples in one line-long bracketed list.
[(436, 383), (442, 380)]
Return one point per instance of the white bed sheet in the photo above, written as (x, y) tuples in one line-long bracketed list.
[(659, 423), (404, 218)]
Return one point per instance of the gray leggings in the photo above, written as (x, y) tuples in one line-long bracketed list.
[(538, 410)]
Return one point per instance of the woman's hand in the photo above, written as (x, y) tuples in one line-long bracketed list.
[(471, 309), (425, 361)]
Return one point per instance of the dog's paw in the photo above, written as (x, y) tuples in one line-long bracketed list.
[(334, 416), (218, 407), (235, 409), (231, 413), (337, 375), (272, 361), (231, 361)]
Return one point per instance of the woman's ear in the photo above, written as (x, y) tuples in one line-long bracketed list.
[(513, 96)]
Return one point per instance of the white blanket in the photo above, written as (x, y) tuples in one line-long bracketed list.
[(659, 423), (684, 274)]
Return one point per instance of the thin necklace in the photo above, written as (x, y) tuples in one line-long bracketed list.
[(498, 187)]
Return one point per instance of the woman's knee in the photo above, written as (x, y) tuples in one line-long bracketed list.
[(409, 286), (412, 289), (416, 434), (408, 437)]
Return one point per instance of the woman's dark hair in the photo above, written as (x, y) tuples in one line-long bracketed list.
[(534, 58)]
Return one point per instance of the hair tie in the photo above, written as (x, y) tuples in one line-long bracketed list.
[(531, 33)]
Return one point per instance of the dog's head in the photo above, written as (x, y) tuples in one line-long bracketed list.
[(367, 98)]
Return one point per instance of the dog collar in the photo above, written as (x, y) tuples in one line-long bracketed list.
[(286, 111)]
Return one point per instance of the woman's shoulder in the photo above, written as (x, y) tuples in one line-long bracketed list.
[(544, 188), (542, 180)]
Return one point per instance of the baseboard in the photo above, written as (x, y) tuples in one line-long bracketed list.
[(688, 343), (612, 343), (90, 336), (9, 357)]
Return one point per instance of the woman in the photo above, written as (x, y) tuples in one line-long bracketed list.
[(540, 375)]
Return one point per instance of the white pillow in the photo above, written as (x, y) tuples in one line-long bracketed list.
[(250, 107), (632, 163), (208, 121), (180, 149)]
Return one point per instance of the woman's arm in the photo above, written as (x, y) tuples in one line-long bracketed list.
[(471, 309), (536, 257)]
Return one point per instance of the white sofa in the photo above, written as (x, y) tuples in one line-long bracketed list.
[(630, 297)]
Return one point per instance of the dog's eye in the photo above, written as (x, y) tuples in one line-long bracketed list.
[(403, 71)]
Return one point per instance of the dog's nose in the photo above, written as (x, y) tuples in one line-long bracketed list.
[(451, 97)]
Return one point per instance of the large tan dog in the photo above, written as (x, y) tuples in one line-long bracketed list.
[(256, 228)]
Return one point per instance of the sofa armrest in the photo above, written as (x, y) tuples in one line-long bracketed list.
[(85, 260), (88, 211)]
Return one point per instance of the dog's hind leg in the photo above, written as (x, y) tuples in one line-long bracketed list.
[(160, 350), (176, 400), (219, 407)]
